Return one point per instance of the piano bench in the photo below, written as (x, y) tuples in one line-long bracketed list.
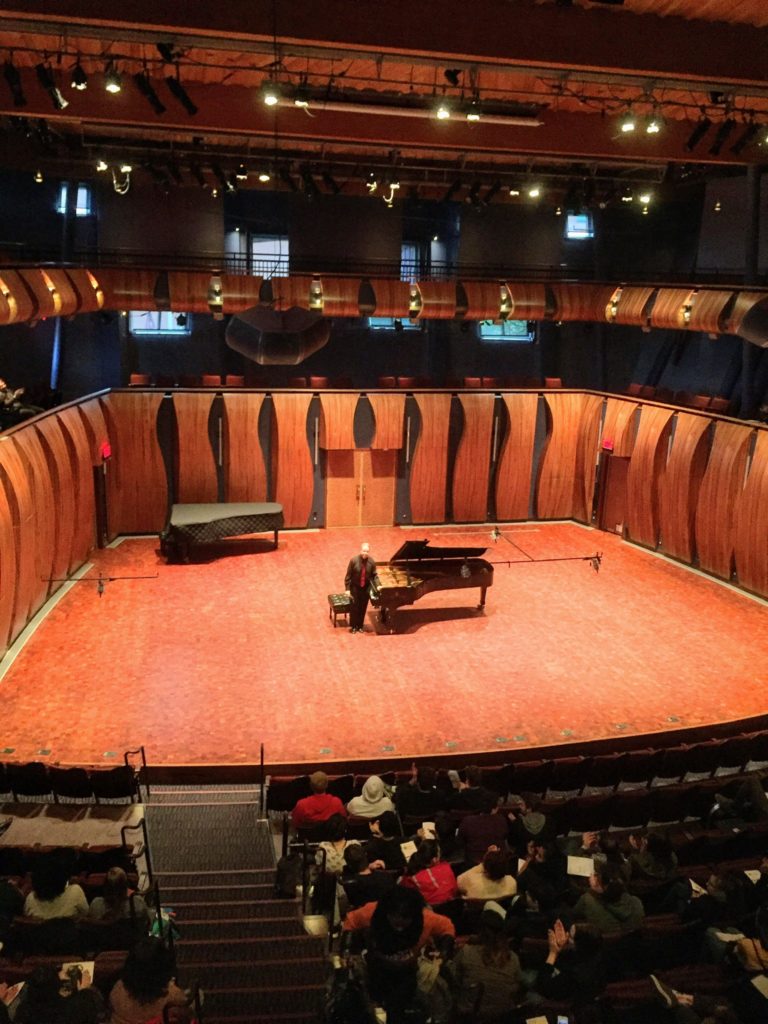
[(338, 604)]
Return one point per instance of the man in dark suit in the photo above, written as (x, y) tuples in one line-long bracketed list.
[(361, 573)]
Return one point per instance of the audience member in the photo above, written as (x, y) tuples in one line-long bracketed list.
[(47, 998), (607, 905), (527, 822), (652, 858), (430, 875), (373, 801), (485, 828), (52, 894), (489, 880), (333, 848), (364, 882), (384, 844), (317, 808), (489, 962), (542, 876), (574, 968), (146, 985), (420, 798), (471, 794), (118, 903)]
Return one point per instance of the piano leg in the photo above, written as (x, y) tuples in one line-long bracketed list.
[(483, 591)]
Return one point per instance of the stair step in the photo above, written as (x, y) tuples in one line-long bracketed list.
[(249, 974), (292, 999), (206, 879), (297, 946), (174, 894), (240, 928), (240, 909)]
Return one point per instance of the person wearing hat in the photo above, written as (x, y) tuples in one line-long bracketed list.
[(373, 801), (487, 960), (320, 806)]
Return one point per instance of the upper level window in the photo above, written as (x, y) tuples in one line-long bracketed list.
[(579, 226), (82, 200), (269, 256), (391, 323), (521, 331), (409, 261), (152, 322)]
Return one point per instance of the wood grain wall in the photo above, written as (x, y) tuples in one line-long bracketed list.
[(619, 425), (337, 419), (136, 482), (22, 589), (751, 535), (646, 473), (720, 492), (679, 492), (586, 458), (557, 470), (388, 411), (515, 460), (195, 458), (245, 475), (471, 469), (429, 460), (291, 457)]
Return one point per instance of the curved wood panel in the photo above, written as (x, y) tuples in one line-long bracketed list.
[(42, 537), (92, 415), (484, 300), (188, 291), (54, 447), (707, 309), (586, 458), (90, 296), (245, 475), (83, 497), (680, 485), (515, 461), (645, 474), (743, 304), (18, 302), (557, 471), (471, 469), (136, 480), (53, 291), (720, 490), (529, 301), (393, 298), (9, 570), (291, 291), (337, 419), (239, 293), (438, 300), (128, 289), (630, 305), (619, 426), (195, 459), (669, 308), (27, 590), (581, 301), (341, 296), (429, 462), (751, 536), (291, 457), (388, 412)]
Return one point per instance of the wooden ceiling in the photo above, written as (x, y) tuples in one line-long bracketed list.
[(373, 73)]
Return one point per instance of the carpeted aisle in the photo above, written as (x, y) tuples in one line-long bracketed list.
[(212, 658)]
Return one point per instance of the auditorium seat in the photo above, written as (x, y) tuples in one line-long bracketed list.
[(387, 382), (589, 813), (493, 382), (631, 809), (190, 380), (344, 383), (702, 759), (342, 786), (735, 753), (70, 784), (138, 380), (634, 389), (647, 391), (553, 382), (234, 380), (165, 380), (758, 758), (407, 382), (665, 395), (639, 767), (211, 380), (604, 773), (29, 780), (297, 382), (719, 404), (700, 401), (119, 783), (673, 766), (528, 777), (318, 383), (473, 382), (569, 774)]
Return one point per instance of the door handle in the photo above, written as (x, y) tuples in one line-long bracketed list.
[(363, 493), (357, 493)]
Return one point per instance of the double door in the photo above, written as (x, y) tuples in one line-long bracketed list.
[(360, 487)]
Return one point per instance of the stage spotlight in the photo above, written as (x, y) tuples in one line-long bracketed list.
[(167, 52), (474, 112), (746, 138), (79, 78), (48, 82), (721, 135), (653, 125), (13, 78), (113, 81), (126, 168), (197, 174), (301, 96), (442, 111), (224, 181), (181, 93), (534, 191), (645, 198), (264, 175), (145, 87), (270, 93), (453, 76), (698, 134), (628, 123), (331, 183), (452, 189)]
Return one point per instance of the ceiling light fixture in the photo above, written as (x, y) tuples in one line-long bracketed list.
[(48, 82), (79, 79), (722, 133), (746, 138), (113, 81), (301, 96), (628, 123), (241, 174), (39, 177), (13, 78), (390, 198), (645, 198), (698, 133), (474, 112), (534, 191), (270, 93), (102, 165), (264, 175), (653, 125), (145, 87), (442, 111)]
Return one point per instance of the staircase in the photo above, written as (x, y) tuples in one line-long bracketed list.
[(215, 862)]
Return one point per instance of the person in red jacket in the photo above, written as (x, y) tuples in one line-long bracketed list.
[(315, 809), (431, 876)]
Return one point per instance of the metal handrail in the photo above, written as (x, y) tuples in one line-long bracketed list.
[(145, 846), (262, 780), (143, 772)]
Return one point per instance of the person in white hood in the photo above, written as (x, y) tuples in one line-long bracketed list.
[(373, 801)]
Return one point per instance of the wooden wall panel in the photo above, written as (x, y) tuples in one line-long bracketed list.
[(128, 289), (188, 291), (245, 476), (54, 447), (631, 304), (557, 471), (9, 570), (619, 425), (393, 298), (341, 296), (706, 309), (646, 473), (388, 411), (83, 497), (27, 589), (719, 495), (89, 291), (751, 535), (291, 459), (429, 461), (438, 300), (668, 309), (137, 485), (483, 300), (53, 292), (18, 303), (515, 460), (586, 458), (679, 491), (529, 301), (195, 458), (473, 458), (92, 415), (337, 419), (291, 291), (43, 514), (581, 301), (239, 293), (743, 304)]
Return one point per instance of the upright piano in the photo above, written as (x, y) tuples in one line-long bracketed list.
[(417, 569)]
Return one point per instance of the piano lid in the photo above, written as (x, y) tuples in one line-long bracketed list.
[(419, 550)]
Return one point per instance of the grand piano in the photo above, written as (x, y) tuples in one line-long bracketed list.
[(191, 525), (417, 569)]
